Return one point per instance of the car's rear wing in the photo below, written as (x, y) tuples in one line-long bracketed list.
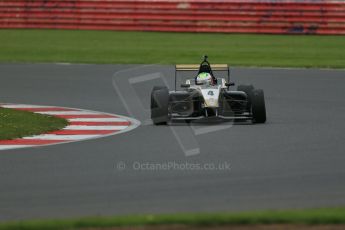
[(194, 67)]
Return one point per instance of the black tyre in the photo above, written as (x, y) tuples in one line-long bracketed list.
[(258, 106), (248, 89), (159, 105)]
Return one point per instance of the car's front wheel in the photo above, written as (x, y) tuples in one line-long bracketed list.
[(159, 105), (258, 106)]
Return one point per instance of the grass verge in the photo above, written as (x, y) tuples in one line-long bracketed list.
[(16, 123), (309, 217), (169, 48)]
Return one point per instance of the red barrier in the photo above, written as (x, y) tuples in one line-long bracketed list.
[(276, 17)]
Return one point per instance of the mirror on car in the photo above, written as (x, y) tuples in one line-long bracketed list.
[(229, 84), (185, 85)]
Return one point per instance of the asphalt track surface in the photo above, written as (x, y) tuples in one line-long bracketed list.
[(295, 160)]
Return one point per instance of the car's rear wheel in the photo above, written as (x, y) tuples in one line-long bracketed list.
[(159, 105), (258, 106)]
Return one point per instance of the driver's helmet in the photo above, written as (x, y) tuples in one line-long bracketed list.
[(203, 78)]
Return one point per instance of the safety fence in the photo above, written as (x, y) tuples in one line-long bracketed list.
[(231, 16)]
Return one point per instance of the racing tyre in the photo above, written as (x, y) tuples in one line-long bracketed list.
[(159, 105), (258, 106), (248, 89)]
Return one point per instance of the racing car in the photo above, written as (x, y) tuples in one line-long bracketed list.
[(206, 94)]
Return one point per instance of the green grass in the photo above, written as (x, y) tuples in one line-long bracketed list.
[(310, 217), (15, 123), (170, 48)]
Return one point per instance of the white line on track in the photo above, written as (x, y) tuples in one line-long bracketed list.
[(68, 112), (4, 147), (61, 137), (15, 106), (90, 127), (110, 119)]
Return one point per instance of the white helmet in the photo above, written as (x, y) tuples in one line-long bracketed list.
[(203, 78)]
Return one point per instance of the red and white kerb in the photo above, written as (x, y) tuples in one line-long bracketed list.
[(83, 125)]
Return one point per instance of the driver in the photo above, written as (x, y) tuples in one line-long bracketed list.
[(204, 78)]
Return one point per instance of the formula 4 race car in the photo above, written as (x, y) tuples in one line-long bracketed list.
[(207, 94)]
